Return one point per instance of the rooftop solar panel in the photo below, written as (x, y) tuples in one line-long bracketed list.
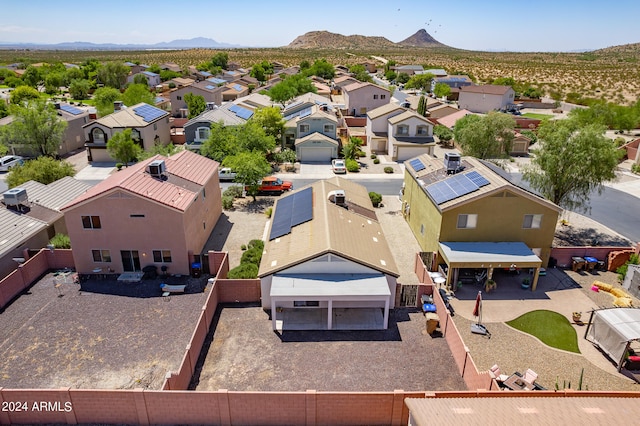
[(305, 112), (148, 113), (216, 80), (302, 206), (452, 188), (417, 165), (440, 192), (70, 109), (281, 222), (477, 178), (292, 105), (209, 87), (237, 87)]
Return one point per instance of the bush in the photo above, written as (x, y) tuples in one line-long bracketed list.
[(376, 161), (251, 255), (635, 168), (227, 202), (376, 198), (285, 156), (373, 156), (259, 244), (619, 141), (360, 153), (243, 247), (388, 169), (244, 271), (119, 166), (234, 191), (60, 241), (269, 212), (352, 166)]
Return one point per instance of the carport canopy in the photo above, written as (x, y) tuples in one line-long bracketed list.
[(612, 330), (488, 255), (330, 288)]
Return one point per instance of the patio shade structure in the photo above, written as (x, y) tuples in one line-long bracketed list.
[(612, 330)]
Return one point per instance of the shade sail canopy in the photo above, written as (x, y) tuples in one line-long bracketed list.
[(612, 329)]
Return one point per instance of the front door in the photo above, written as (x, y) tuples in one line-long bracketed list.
[(130, 260)]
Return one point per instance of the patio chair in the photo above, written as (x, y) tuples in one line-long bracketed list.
[(530, 376), (495, 373)]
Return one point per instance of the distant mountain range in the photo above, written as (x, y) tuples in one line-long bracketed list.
[(328, 40), (198, 42)]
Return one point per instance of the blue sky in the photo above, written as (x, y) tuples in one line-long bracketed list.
[(560, 25)]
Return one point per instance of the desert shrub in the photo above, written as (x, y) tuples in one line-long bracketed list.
[(376, 161), (243, 247), (619, 141), (635, 168), (244, 271), (388, 169), (373, 156), (360, 153), (352, 166), (234, 191), (285, 156), (227, 202), (119, 166), (269, 212), (622, 270), (376, 198), (60, 241), (251, 255), (259, 244)]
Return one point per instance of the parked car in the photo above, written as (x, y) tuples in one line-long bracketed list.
[(9, 161), (226, 173), (273, 185), (338, 166)]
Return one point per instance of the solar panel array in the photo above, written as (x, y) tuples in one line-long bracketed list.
[(70, 109), (243, 113), (292, 105), (456, 186), (216, 81), (237, 87), (417, 165), (291, 211), (148, 113), (209, 87), (302, 113)]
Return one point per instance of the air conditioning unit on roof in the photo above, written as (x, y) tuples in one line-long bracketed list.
[(157, 168)]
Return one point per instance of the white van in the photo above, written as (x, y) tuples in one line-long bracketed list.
[(226, 173), (9, 161)]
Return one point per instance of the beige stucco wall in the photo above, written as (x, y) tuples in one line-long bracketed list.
[(361, 100), (484, 102)]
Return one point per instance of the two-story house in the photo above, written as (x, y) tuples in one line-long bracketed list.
[(198, 129), (468, 216), (210, 91), (378, 125), (160, 211), (409, 135), (314, 132), (485, 98), (149, 126), (359, 98), (234, 91)]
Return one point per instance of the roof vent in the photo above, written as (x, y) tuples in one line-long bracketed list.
[(452, 162), (157, 168), (338, 197)]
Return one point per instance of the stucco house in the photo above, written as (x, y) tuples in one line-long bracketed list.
[(149, 126), (520, 144), (468, 216), (453, 81), (152, 78), (313, 132), (485, 98), (409, 134), (378, 125), (326, 257), (170, 66), (408, 69), (211, 92), (359, 98), (198, 129), (160, 211), (234, 91)]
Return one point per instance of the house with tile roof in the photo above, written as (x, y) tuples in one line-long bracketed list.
[(326, 251), (409, 134), (468, 215), (149, 126), (160, 211), (359, 98), (209, 90), (30, 216), (485, 98)]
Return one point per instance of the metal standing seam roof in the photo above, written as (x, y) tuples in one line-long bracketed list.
[(16, 228), (487, 252), (56, 194), (333, 229)]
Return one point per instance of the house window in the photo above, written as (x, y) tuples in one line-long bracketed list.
[(422, 131), (328, 128), (98, 136), (402, 130), (162, 256), (91, 222), (204, 194), (155, 126), (304, 128), (136, 215), (383, 96), (179, 98), (202, 133), (101, 256), (532, 221), (375, 96), (467, 221)]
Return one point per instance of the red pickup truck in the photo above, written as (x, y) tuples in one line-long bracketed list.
[(273, 185)]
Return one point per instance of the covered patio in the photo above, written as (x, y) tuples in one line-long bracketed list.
[(486, 255), (316, 301), (613, 330)]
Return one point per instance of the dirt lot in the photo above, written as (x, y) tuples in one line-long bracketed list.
[(109, 336), (245, 354)]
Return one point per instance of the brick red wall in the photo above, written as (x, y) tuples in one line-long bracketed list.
[(564, 254), (238, 290), (355, 121), (10, 286)]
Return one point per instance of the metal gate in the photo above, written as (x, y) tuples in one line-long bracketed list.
[(408, 295)]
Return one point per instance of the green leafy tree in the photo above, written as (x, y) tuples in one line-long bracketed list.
[(53, 81), (23, 94), (90, 68), (6, 73), (505, 81), (137, 93), (220, 59), (43, 169), (304, 65), (420, 82), (61, 241), (390, 63), (422, 106), (270, 119), (402, 78), (140, 79), (262, 71), (36, 125), (158, 149), (390, 75), (225, 141), (250, 168), (360, 73), (79, 89), (573, 161), (291, 87), (221, 142), (104, 98), (113, 74), (322, 69), (195, 103), (443, 133), (441, 90), (168, 75), (485, 137), (33, 76), (123, 148), (251, 136), (72, 74), (4, 109), (351, 148)]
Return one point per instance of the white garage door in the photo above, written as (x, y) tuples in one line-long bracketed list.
[(315, 154), (406, 152)]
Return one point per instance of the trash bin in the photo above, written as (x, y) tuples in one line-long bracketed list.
[(196, 269), (577, 263), (590, 263)]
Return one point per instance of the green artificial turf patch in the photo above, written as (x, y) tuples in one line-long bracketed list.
[(537, 116), (550, 327)]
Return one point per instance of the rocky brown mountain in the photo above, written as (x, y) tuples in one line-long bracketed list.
[(328, 40)]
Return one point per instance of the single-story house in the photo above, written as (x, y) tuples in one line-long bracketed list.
[(234, 91), (153, 79), (485, 98), (453, 81), (326, 259)]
